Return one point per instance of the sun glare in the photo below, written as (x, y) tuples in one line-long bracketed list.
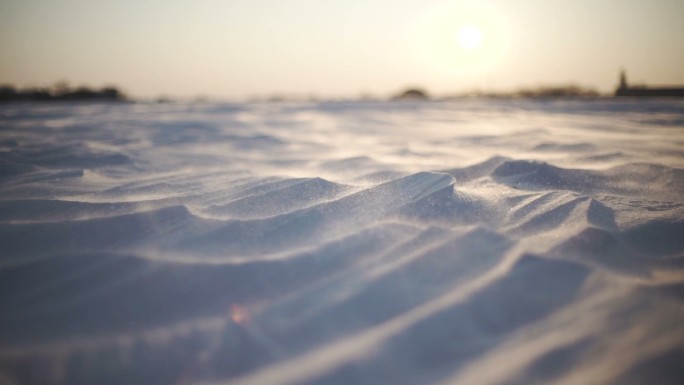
[(469, 36), (461, 38)]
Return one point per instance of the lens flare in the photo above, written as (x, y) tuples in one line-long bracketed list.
[(239, 314)]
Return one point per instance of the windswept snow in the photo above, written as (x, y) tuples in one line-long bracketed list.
[(472, 242)]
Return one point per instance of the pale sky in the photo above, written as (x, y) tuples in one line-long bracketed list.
[(238, 49)]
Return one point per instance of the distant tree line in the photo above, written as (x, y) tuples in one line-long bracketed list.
[(413, 94), (569, 91), (544, 92), (60, 92)]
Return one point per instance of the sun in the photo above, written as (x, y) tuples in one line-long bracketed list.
[(469, 36), (456, 38)]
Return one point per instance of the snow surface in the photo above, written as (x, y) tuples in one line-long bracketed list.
[(472, 242)]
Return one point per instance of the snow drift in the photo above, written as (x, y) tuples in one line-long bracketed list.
[(473, 242)]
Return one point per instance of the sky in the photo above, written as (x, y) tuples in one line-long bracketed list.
[(338, 48)]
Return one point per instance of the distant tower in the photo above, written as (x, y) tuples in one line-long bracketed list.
[(623, 80)]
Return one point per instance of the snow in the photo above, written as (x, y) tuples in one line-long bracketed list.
[(463, 242)]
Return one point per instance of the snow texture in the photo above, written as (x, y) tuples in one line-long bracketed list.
[(470, 242)]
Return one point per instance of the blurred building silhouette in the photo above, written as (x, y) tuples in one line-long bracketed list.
[(624, 89)]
